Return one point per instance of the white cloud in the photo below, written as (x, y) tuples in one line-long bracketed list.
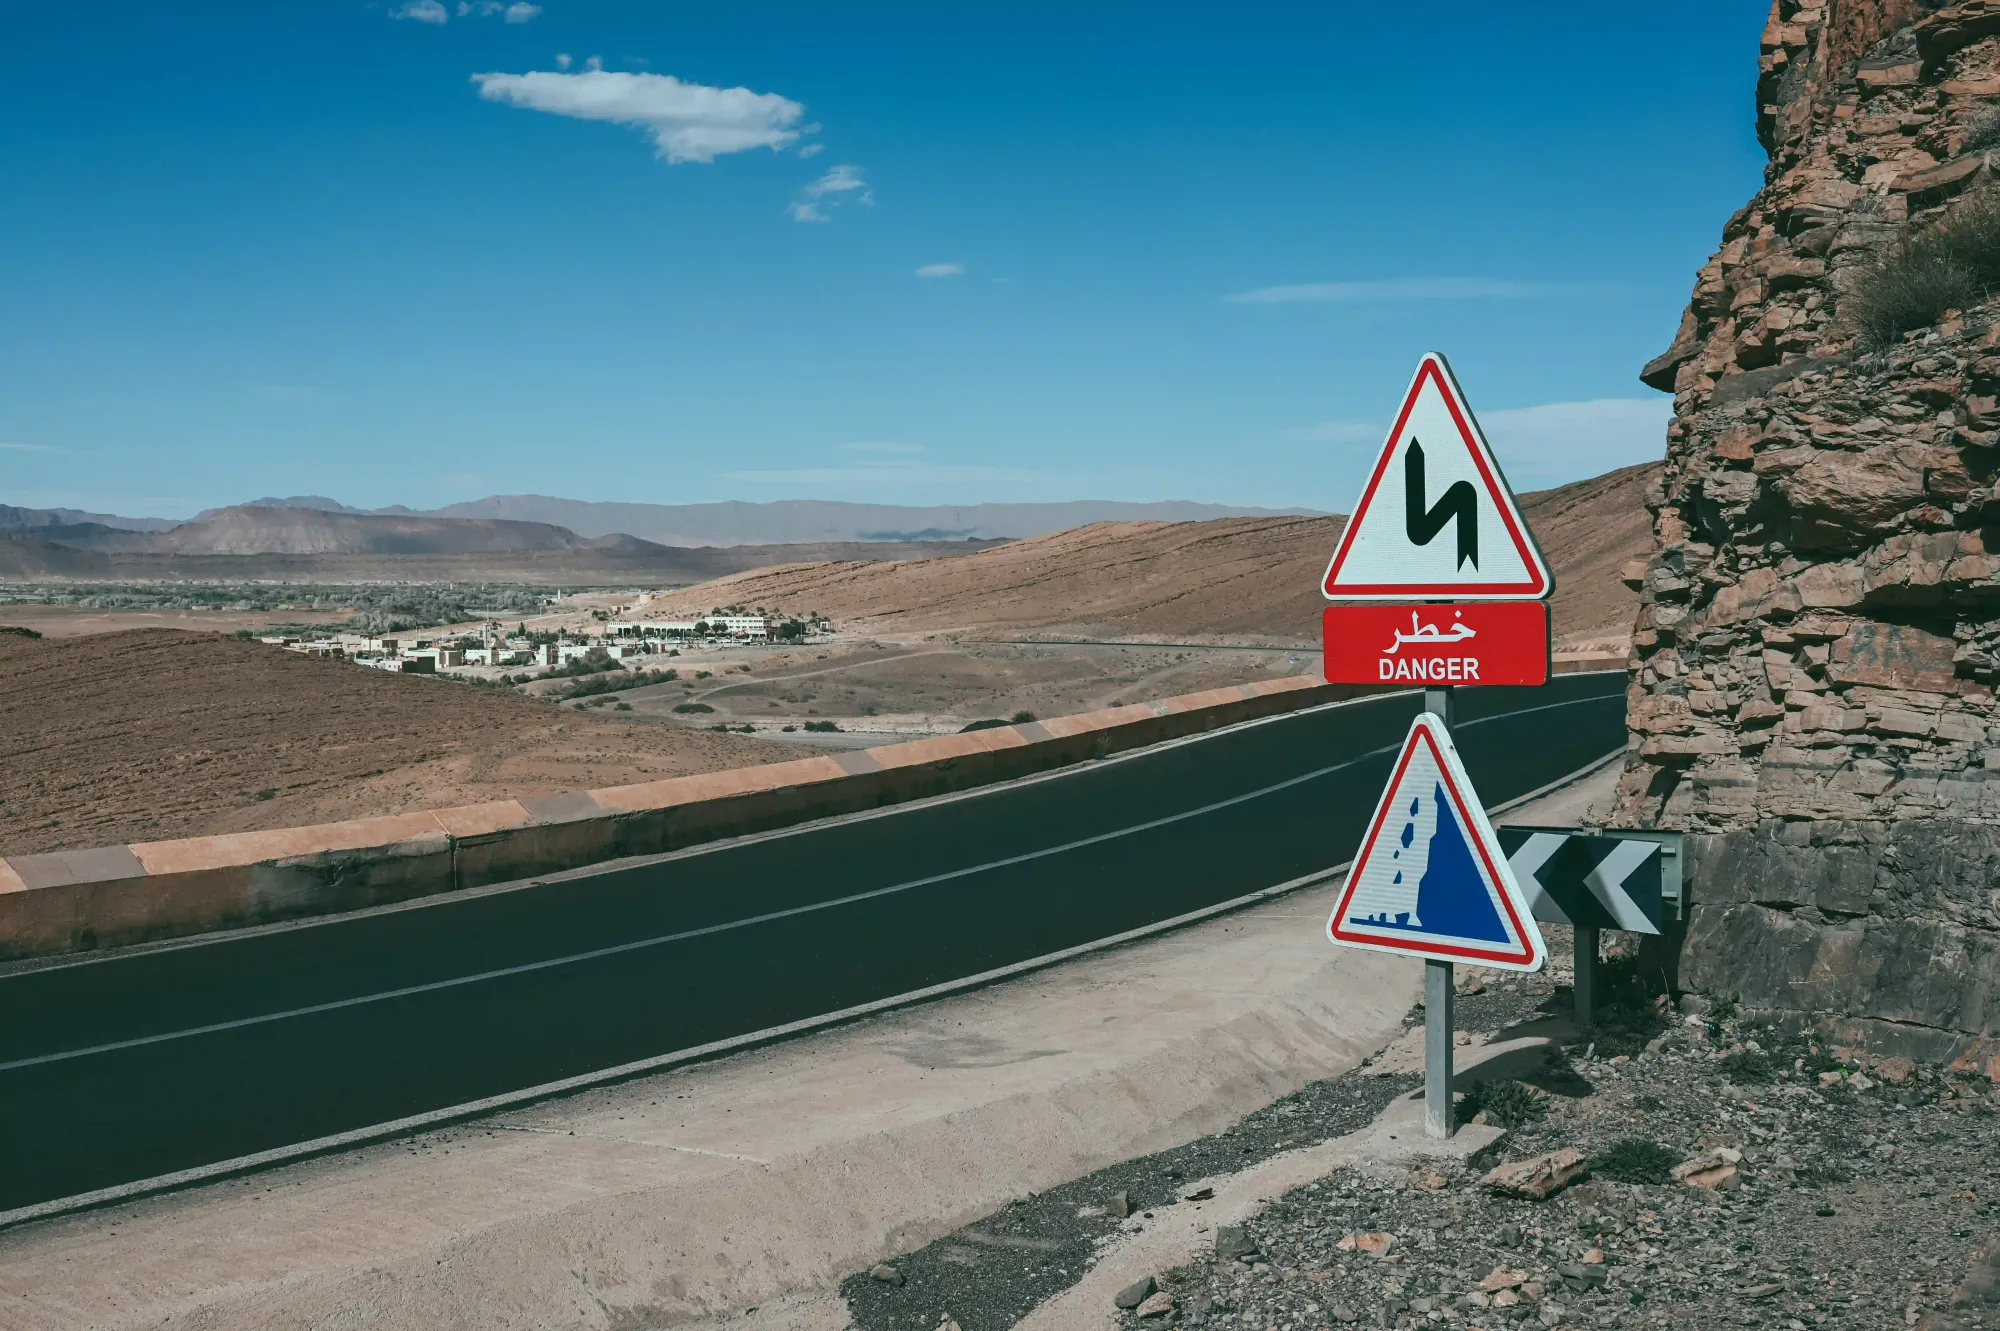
[(812, 150), (423, 11), (840, 180), (594, 64), (563, 61), (1416, 288), (831, 190), (941, 270), (882, 448), (689, 122), (1559, 442), (521, 11), (29, 448)]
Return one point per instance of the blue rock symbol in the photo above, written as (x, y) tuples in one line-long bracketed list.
[(1451, 897)]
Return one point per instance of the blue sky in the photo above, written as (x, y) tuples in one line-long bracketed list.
[(669, 252)]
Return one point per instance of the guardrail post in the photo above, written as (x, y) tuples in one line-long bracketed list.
[(1586, 974)]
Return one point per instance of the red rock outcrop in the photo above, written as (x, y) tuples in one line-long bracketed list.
[(1819, 631)]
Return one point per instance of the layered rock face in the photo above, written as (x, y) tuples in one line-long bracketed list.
[(1819, 635)]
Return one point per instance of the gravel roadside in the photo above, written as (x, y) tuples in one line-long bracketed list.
[(1816, 1190)]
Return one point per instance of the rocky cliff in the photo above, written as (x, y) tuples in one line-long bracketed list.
[(1819, 632)]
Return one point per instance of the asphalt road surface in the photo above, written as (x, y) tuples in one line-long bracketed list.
[(128, 1067)]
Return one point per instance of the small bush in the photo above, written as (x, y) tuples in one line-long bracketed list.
[(1634, 1160), (823, 727), (1949, 265), (1723, 1008), (623, 707), (789, 729), (18, 631), (1507, 1104), (1983, 132), (982, 725), (693, 707), (1021, 718), (267, 793)]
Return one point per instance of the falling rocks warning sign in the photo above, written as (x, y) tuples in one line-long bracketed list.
[(1430, 880), (1480, 642)]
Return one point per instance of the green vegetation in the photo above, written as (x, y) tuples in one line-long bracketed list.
[(19, 632), (603, 681), (987, 724), (1507, 1104), (371, 607), (823, 727), (1950, 264), (693, 707), (1021, 718), (1634, 1160)]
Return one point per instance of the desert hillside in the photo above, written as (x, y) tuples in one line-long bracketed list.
[(1221, 579)]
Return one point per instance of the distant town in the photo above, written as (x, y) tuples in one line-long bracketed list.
[(614, 636)]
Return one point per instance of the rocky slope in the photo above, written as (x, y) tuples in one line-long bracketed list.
[(1816, 643)]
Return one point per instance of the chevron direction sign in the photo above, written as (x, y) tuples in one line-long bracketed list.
[(1603, 880)]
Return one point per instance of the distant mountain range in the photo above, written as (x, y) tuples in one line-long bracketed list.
[(784, 521), (28, 519)]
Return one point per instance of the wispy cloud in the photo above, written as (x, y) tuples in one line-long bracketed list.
[(563, 61), (812, 150), (423, 11), (830, 191), (521, 12), (29, 448), (688, 122), (1558, 442), (883, 448), (1417, 288), (941, 270)]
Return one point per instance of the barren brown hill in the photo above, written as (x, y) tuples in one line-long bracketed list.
[(1226, 578), (162, 733)]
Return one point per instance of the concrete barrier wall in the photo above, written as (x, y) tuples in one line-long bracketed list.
[(72, 901)]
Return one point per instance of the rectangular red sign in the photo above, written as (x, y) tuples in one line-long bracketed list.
[(1473, 642)]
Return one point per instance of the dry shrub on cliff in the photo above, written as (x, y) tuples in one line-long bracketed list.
[(1950, 264)]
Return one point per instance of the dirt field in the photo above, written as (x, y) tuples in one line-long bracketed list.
[(879, 692), (154, 734), (1232, 580)]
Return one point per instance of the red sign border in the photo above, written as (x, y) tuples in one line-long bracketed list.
[(1548, 652), (1541, 583), (1420, 731)]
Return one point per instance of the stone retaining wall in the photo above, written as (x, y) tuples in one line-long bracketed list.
[(71, 901)]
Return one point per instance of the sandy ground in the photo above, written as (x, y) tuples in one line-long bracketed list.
[(152, 734)]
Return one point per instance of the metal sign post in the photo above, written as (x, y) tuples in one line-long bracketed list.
[(1440, 990)]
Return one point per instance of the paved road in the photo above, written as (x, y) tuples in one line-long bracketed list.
[(133, 1066)]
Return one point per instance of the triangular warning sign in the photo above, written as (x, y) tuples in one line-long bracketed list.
[(1436, 518), (1430, 879)]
